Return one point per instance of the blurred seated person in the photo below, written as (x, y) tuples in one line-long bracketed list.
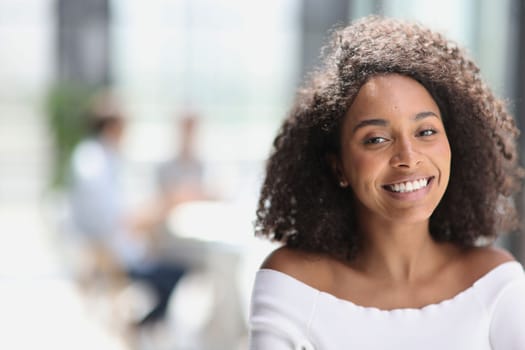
[(180, 179), (117, 237)]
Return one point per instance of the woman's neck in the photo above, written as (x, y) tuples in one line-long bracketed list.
[(401, 252)]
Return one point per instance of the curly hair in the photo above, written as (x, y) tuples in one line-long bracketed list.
[(301, 203)]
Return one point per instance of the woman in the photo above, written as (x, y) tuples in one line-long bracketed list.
[(388, 182)]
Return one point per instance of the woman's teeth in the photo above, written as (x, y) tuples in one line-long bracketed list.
[(409, 186)]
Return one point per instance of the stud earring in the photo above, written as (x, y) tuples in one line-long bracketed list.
[(343, 183)]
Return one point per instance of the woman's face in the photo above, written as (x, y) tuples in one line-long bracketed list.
[(395, 153)]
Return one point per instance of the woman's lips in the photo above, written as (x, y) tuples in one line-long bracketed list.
[(409, 185)]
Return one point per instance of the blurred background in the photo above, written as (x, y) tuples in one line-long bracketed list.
[(153, 119)]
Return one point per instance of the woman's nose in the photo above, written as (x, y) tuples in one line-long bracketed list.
[(405, 154)]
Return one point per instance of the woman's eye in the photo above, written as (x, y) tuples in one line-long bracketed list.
[(427, 132), (375, 140)]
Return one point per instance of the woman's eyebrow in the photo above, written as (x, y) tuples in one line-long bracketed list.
[(383, 122), (425, 114), (366, 122)]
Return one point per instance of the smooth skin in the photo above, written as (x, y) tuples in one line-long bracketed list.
[(393, 133)]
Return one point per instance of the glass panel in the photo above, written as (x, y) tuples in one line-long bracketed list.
[(233, 62)]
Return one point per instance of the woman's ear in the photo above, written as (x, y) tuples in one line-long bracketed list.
[(337, 169)]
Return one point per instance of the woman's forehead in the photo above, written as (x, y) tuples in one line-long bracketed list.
[(385, 95)]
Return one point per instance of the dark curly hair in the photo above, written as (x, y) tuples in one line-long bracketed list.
[(301, 203)]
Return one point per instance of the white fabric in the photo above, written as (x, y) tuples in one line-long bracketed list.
[(288, 314)]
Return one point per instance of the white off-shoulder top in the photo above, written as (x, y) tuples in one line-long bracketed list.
[(288, 314)]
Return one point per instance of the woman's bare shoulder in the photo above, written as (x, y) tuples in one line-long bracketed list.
[(310, 268), (481, 260)]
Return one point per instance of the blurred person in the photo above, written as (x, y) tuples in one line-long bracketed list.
[(387, 184), (181, 178), (181, 181), (117, 237)]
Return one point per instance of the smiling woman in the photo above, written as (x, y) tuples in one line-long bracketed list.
[(394, 152), (395, 163)]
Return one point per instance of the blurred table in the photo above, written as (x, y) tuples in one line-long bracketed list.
[(217, 239)]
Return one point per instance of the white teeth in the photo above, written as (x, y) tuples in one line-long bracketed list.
[(409, 186)]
